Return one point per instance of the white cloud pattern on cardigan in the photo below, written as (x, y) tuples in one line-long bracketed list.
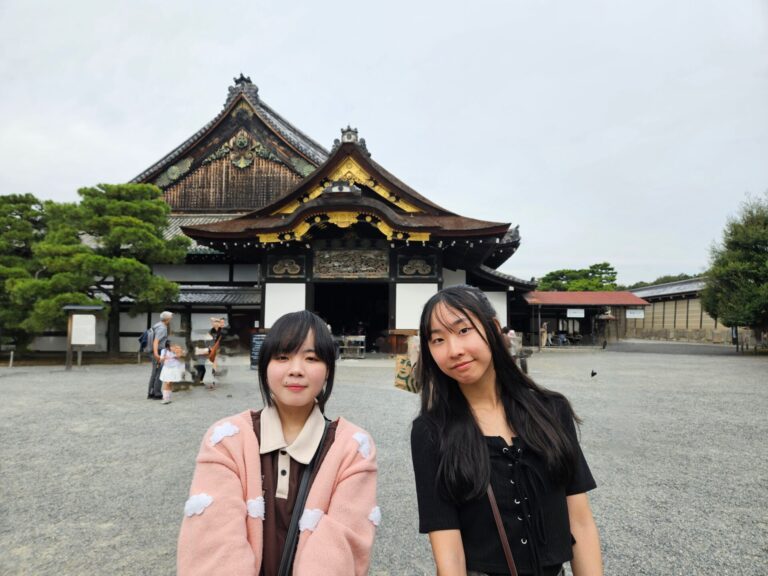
[(310, 519), (256, 508), (365, 443), (375, 516), (222, 431), (196, 504)]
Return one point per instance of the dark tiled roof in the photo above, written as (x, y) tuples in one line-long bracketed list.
[(671, 288), (504, 278), (219, 295), (176, 221), (438, 224), (282, 127)]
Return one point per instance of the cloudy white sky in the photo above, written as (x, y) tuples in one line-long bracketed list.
[(619, 131)]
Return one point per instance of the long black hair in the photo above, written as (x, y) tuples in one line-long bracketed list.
[(286, 337), (464, 470)]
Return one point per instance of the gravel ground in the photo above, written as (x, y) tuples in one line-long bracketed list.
[(94, 476)]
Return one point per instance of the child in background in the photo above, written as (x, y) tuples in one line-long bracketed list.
[(173, 369)]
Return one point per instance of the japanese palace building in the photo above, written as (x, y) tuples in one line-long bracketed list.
[(279, 223)]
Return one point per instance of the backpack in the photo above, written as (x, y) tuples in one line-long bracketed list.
[(145, 340)]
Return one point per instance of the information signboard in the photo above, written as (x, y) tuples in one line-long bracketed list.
[(256, 341), (83, 330)]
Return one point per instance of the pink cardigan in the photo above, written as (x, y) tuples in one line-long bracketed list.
[(222, 529)]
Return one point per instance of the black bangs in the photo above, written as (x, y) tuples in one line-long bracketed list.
[(286, 337)]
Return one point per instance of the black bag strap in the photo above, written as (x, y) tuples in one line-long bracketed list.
[(292, 537), (502, 532)]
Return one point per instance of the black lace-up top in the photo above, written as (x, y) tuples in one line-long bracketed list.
[(532, 505)]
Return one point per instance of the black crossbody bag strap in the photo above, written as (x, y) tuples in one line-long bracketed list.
[(291, 539), (502, 532)]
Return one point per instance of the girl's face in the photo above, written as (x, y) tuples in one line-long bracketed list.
[(296, 378), (458, 348)]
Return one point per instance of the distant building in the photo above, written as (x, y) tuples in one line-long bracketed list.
[(674, 312), (577, 317)]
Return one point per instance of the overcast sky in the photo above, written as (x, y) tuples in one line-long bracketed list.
[(610, 130)]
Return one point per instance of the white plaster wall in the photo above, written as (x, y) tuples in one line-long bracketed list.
[(49, 344), (130, 323), (129, 344), (246, 273), (454, 277), (410, 300), (281, 299), (193, 272), (499, 302), (59, 343)]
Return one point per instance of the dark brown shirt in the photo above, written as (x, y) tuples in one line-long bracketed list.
[(278, 511)]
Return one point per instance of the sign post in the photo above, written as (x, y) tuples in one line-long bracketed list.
[(81, 330)]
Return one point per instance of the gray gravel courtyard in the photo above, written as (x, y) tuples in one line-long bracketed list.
[(94, 476)]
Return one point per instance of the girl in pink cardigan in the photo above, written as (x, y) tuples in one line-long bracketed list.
[(250, 466)]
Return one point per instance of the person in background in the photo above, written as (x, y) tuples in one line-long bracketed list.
[(199, 358), (217, 334), (161, 330)]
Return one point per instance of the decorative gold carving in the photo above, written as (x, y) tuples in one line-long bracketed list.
[(243, 108), (417, 266), (343, 219), (301, 229), (353, 173), (286, 266), (351, 264), (302, 166), (174, 172), (222, 152), (385, 229), (269, 238)]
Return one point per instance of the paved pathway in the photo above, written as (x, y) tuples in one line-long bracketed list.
[(94, 476)]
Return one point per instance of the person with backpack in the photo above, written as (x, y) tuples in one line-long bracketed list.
[(159, 336)]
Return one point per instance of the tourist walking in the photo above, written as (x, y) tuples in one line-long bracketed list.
[(216, 333), (489, 437), (160, 332), (283, 490)]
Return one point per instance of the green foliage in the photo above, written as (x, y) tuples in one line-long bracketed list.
[(597, 277), (96, 252), (736, 292), (22, 225)]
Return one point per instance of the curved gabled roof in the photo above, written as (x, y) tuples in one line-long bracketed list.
[(437, 225), (243, 90)]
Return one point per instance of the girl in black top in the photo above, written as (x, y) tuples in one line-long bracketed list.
[(483, 421)]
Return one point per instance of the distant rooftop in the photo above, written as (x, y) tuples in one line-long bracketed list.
[(671, 288), (584, 298)]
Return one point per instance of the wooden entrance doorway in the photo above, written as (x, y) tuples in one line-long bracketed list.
[(355, 308)]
